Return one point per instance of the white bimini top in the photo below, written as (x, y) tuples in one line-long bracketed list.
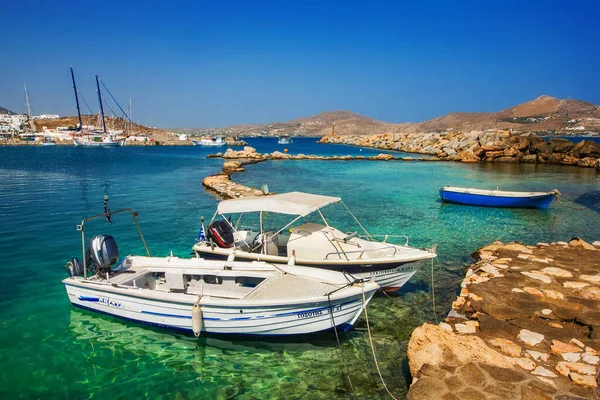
[(292, 203)]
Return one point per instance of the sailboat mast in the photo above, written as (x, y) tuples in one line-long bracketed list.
[(27, 102), (76, 99), (101, 107)]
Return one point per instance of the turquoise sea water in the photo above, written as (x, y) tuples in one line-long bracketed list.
[(50, 350)]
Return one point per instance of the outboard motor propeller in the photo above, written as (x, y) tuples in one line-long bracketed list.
[(103, 252)]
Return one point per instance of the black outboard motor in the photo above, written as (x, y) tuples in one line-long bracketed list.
[(221, 233), (102, 253)]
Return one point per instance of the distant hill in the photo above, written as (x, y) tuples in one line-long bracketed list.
[(545, 114), (6, 111)]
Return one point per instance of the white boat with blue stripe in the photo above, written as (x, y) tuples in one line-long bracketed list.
[(210, 296)]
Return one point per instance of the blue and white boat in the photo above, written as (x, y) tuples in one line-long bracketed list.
[(497, 198), (208, 296)]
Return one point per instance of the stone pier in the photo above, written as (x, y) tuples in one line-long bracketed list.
[(526, 325)]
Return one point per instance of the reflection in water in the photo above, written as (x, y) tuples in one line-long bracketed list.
[(590, 200), (308, 366)]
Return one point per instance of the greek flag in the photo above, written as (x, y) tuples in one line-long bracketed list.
[(201, 235), (107, 210)]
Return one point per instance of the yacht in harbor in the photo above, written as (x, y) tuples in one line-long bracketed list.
[(102, 138)]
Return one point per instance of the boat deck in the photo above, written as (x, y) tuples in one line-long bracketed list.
[(290, 286)]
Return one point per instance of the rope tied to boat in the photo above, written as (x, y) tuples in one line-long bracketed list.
[(337, 338), (373, 346)]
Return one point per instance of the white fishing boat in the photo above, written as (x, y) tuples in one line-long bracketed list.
[(284, 139), (209, 141), (204, 296), (301, 241)]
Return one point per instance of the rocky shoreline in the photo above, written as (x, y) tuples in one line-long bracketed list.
[(526, 325), (477, 146), (223, 187)]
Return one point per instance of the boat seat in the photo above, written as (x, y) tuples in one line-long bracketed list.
[(269, 245)]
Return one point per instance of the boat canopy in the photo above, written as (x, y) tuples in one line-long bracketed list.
[(293, 203)]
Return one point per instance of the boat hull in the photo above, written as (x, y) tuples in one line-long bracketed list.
[(98, 144), (208, 144), (391, 276), (474, 199), (233, 318)]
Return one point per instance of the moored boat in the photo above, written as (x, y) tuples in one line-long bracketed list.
[(209, 141), (98, 140), (303, 242), (497, 198), (207, 296), (284, 139)]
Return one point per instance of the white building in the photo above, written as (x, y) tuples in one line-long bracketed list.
[(46, 116), (11, 122)]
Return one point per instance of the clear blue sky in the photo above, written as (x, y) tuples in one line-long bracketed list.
[(222, 62)]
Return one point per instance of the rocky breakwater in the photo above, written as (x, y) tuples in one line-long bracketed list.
[(221, 184), (525, 326), (477, 146), (250, 153)]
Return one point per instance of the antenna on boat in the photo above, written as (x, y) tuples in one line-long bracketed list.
[(76, 99), (101, 107)]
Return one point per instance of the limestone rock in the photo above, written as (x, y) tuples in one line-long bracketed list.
[(465, 328), (507, 347), (590, 359), (579, 368), (590, 278), (553, 294), (525, 363), (538, 356), (581, 244), (429, 343), (541, 371), (537, 275), (584, 380), (559, 347), (575, 285), (592, 293), (529, 337), (571, 357), (559, 272), (577, 342)]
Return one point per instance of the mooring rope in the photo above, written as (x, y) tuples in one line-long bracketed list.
[(433, 293), (373, 346), (337, 338), (581, 208)]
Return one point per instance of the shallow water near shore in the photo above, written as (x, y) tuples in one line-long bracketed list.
[(50, 350)]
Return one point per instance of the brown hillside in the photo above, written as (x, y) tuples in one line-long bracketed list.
[(543, 105), (545, 114), (111, 123)]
